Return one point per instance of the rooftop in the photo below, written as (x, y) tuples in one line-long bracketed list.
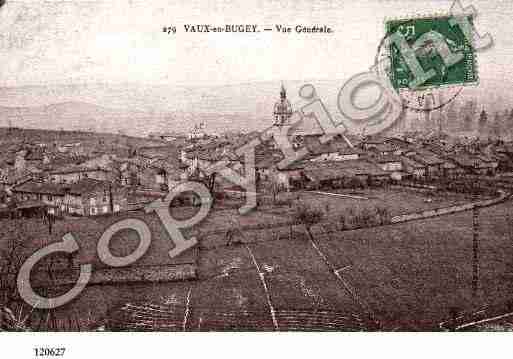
[(75, 169), (40, 187)]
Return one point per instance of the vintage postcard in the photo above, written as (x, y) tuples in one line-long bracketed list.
[(255, 166)]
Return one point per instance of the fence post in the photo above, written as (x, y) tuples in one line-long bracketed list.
[(475, 250)]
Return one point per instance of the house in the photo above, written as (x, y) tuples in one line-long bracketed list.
[(487, 165), (450, 169), (155, 152), (320, 151), (49, 194), (265, 161), (57, 160), (465, 161), (475, 163), (325, 174), (351, 154), (125, 171), (344, 173), (288, 177), (9, 177), (389, 163), (74, 173), (432, 163), (70, 147), (504, 161), (155, 175), (101, 161), (335, 150), (378, 147), (90, 197), (364, 170), (35, 157), (205, 154), (415, 169), (397, 142), (31, 209), (20, 163)]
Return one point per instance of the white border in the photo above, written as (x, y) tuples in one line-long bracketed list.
[(259, 345)]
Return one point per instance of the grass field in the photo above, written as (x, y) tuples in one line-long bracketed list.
[(397, 201), (412, 275), (409, 276)]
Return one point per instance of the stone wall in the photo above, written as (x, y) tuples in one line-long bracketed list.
[(449, 210), (161, 273)]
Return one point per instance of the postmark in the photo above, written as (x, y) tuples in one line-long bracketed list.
[(428, 59), (430, 52)]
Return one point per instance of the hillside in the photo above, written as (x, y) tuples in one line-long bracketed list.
[(138, 110), (18, 135)]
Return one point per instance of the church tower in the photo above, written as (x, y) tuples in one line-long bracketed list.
[(282, 109)]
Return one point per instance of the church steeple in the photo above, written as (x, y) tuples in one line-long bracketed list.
[(282, 109)]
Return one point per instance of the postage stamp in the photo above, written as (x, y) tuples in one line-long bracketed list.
[(430, 52)]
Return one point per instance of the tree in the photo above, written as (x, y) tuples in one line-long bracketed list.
[(483, 119), (383, 215), (496, 127), (468, 113), (307, 215), (11, 258), (117, 172), (508, 121), (275, 190), (451, 116), (467, 123)]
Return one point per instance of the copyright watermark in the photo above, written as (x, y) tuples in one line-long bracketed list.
[(351, 119)]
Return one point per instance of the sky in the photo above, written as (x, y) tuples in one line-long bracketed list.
[(75, 43)]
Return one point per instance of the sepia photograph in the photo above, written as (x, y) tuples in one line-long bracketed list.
[(254, 167)]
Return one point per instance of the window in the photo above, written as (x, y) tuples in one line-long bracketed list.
[(92, 201), (105, 209), (93, 211), (117, 208), (49, 197)]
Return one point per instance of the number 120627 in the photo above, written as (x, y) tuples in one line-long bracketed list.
[(49, 352)]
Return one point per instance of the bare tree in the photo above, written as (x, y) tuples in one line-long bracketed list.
[(13, 250), (275, 190), (383, 215), (307, 215), (12, 254)]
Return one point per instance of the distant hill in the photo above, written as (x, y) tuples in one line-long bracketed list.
[(75, 116), (80, 116), (139, 110), (10, 136)]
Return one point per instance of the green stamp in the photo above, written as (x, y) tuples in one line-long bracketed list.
[(430, 52)]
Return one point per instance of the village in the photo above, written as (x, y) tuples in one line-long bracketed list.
[(356, 206), (91, 179)]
